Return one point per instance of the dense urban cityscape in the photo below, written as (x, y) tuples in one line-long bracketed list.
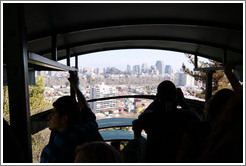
[(110, 81)]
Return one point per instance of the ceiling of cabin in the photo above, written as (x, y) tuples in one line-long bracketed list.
[(210, 30)]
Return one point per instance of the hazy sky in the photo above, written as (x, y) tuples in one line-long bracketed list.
[(121, 58)]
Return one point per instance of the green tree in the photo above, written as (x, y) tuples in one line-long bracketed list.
[(219, 80), (37, 98), (37, 105)]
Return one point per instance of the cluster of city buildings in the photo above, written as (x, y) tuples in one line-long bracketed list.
[(159, 69), (113, 106), (117, 106), (180, 78)]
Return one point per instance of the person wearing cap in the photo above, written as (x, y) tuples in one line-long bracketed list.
[(74, 124)]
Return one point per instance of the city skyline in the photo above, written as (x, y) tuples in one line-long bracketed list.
[(131, 67), (121, 58)]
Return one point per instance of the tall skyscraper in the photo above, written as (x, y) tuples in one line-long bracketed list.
[(144, 68), (136, 69), (160, 67), (180, 79), (128, 69), (168, 69), (153, 70)]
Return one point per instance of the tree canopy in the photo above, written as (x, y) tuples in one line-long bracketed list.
[(38, 103), (219, 80)]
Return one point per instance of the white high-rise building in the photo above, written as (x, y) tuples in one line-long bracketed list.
[(190, 81), (101, 91), (183, 79)]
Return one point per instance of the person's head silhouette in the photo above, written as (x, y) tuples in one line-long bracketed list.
[(166, 95)]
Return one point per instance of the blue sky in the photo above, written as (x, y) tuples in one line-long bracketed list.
[(120, 58)]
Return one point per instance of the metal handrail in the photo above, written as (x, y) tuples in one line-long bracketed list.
[(39, 120), (151, 97)]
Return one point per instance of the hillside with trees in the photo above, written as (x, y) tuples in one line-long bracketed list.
[(37, 104)]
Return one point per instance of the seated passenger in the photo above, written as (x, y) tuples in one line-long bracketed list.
[(135, 150), (116, 145), (96, 152), (195, 138), (219, 138), (75, 124), (164, 124), (226, 140)]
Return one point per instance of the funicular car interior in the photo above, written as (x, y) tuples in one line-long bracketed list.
[(37, 35)]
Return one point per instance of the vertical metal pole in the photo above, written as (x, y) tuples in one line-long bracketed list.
[(76, 61), (208, 85), (72, 93), (195, 61), (54, 47), (17, 75), (68, 56), (76, 66)]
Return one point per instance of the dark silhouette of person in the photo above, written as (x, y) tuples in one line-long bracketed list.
[(226, 140), (164, 124), (196, 136), (219, 137), (225, 143), (97, 152), (74, 123), (135, 150)]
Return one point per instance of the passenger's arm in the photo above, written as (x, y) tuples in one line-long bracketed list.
[(74, 82), (231, 77), (137, 128)]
